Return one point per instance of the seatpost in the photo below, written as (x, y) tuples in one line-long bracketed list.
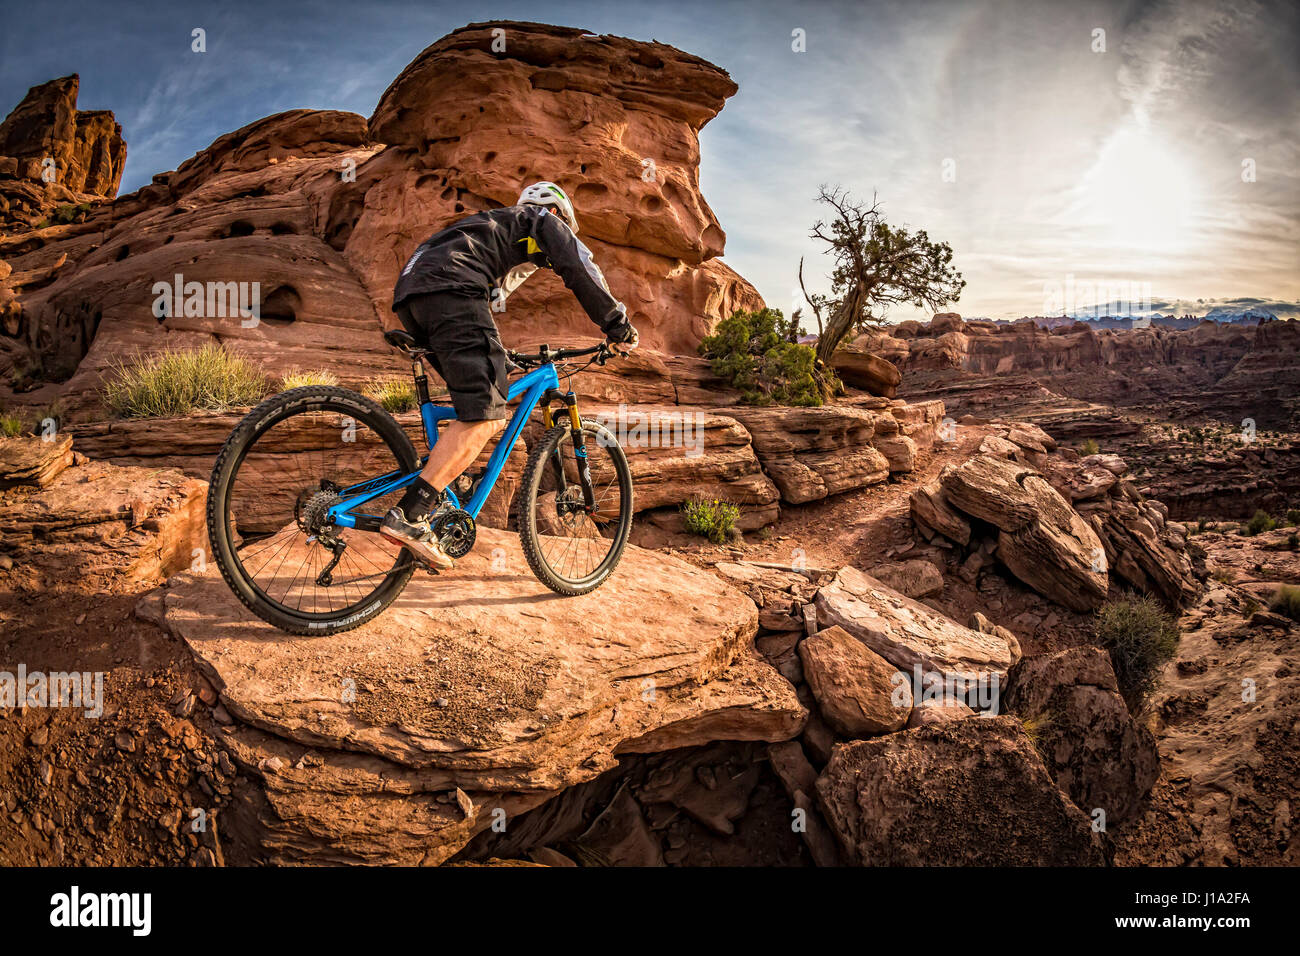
[(421, 382)]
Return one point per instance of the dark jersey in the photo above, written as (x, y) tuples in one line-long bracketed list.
[(490, 253)]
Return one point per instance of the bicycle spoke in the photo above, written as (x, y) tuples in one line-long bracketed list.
[(284, 479), (571, 541)]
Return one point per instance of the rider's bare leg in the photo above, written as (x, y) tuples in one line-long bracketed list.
[(456, 448)]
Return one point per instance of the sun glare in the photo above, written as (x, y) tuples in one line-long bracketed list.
[(1139, 192)]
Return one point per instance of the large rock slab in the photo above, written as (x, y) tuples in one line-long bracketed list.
[(489, 682), (1041, 539), (909, 634), (961, 793), (1093, 748)]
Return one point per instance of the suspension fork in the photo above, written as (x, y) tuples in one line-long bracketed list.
[(579, 453)]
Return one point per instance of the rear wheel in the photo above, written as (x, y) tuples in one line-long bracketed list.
[(275, 478), (573, 548)]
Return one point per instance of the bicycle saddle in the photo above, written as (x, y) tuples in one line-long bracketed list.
[(399, 339)]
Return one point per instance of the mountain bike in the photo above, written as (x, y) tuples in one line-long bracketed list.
[(300, 488)]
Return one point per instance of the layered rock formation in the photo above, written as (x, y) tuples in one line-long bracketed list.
[(1226, 371), (53, 154), (64, 516), (321, 209)]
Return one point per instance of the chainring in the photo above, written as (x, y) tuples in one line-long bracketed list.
[(455, 531)]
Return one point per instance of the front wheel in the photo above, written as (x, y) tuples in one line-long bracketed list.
[(573, 544)]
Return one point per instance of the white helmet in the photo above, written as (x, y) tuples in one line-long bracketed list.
[(552, 197)]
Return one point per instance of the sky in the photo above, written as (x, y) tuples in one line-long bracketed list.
[(1071, 153)]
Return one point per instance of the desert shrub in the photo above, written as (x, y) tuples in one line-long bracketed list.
[(1293, 518), (297, 379), (1089, 447), (1260, 522), (69, 213), (1249, 607), (11, 425), (1293, 541), (755, 353), (1201, 525), (1286, 600), (710, 518), (180, 381), (1141, 637), (394, 394)]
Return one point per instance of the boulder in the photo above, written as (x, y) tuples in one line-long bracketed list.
[(1041, 539), (867, 371), (917, 578), (931, 512), (800, 782), (858, 692), (937, 711), (908, 634), (1092, 746), (958, 793), (678, 453)]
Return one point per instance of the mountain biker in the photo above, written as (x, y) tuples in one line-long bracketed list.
[(444, 298)]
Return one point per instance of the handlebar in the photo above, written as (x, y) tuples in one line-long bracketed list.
[(603, 352)]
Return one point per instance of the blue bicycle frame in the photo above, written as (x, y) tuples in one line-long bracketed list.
[(531, 387)]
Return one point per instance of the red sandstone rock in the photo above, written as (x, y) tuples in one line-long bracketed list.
[(86, 147), (321, 208)]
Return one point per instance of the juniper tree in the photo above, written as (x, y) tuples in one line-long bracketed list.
[(876, 265)]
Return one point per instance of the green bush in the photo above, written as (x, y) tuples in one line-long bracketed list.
[(710, 519), (297, 379), (755, 353), (1089, 447), (1293, 518), (180, 381), (1141, 637), (394, 394), (1286, 600), (1262, 521)]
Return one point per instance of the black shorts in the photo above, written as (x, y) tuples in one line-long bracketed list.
[(466, 350)]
